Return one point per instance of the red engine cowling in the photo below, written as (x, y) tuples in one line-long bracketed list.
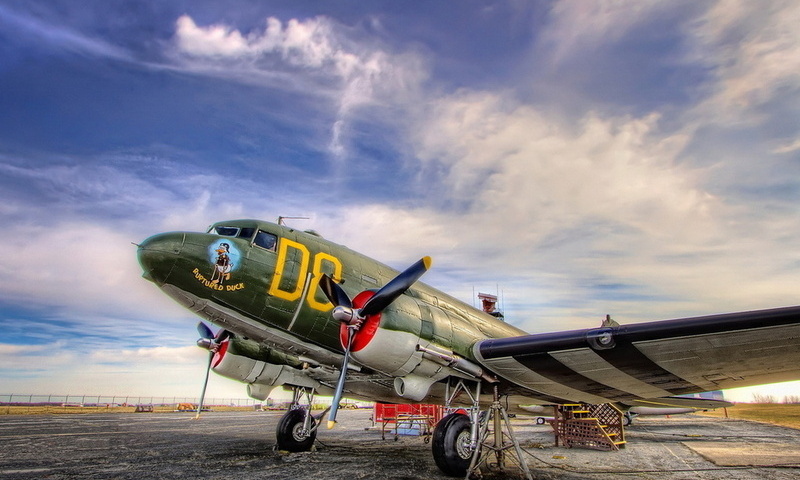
[(390, 343)]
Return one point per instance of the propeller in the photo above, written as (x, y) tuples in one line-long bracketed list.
[(204, 331), (212, 343), (353, 317)]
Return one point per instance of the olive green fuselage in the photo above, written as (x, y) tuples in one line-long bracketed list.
[(269, 274)]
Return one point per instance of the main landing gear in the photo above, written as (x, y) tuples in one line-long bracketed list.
[(455, 437), (627, 419), (297, 429), (461, 440)]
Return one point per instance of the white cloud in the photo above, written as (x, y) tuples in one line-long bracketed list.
[(312, 55), (514, 161), (556, 210), (788, 148), (84, 267), (60, 36), (36, 358), (60, 368), (68, 186), (13, 350), (754, 50), (389, 234), (213, 40), (132, 357), (578, 27), (309, 44)]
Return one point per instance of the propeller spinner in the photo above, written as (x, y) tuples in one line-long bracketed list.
[(353, 317)]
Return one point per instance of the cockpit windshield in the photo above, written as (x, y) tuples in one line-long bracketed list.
[(226, 231), (241, 232)]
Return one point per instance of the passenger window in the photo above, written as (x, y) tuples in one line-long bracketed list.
[(227, 231), (266, 240)]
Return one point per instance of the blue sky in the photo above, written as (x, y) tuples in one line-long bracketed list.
[(640, 159)]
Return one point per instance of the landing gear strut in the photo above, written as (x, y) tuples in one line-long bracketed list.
[(297, 429), (456, 435), (461, 440), (500, 447)]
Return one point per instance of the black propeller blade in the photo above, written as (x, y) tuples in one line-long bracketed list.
[(337, 397), (204, 331), (334, 292), (210, 342), (205, 384), (353, 319), (396, 287)]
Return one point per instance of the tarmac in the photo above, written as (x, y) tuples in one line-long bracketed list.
[(224, 445)]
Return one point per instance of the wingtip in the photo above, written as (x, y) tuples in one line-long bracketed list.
[(427, 261)]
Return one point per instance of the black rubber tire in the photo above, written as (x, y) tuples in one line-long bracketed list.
[(627, 419), (287, 432), (448, 445), (540, 420)]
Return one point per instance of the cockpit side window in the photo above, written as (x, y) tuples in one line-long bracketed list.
[(266, 240), (246, 233)]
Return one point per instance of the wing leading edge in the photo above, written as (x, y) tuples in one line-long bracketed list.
[(651, 360)]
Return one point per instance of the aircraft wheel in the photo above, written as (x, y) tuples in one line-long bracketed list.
[(539, 420), (290, 432), (451, 445), (627, 419)]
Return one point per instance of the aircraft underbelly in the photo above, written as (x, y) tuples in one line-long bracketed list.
[(540, 385), (588, 363), (245, 326)]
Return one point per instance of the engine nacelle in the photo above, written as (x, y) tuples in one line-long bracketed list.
[(390, 351), (260, 376), (413, 387), (394, 347), (259, 392)]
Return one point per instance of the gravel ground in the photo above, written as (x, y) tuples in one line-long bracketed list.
[(224, 445)]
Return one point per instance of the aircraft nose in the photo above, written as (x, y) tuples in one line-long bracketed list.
[(158, 254)]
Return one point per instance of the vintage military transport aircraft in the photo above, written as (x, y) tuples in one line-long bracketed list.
[(301, 312)]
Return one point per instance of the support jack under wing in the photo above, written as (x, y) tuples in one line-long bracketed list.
[(647, 364)]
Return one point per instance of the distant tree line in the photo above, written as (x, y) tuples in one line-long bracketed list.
[(762, 398)]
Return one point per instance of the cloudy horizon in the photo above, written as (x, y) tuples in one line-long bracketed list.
[(637, 159)]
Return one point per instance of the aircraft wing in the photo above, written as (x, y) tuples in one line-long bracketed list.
[(653, 360)]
